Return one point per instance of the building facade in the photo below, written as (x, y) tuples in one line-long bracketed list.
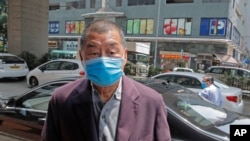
[(188, 33), (28, 26)]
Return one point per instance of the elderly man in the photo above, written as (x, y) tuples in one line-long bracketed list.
[(106, 105), (210, 91)]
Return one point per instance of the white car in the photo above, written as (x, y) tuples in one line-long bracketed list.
[(183, 69), (12, 66), (54, 69), (231, 96)]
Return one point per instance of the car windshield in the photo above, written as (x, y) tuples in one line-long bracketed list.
[(220, 84), (191, 106)]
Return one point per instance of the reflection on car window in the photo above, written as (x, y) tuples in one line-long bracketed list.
[(194, 108), (68, 66), (38, 99), (52, 66)]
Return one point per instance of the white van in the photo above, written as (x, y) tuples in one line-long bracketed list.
[(12, 66), (218, 71)]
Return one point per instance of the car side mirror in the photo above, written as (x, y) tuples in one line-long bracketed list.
[(24, 112), (42, 68)]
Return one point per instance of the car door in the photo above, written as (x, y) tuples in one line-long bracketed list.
[(49, 72), (24, 116)]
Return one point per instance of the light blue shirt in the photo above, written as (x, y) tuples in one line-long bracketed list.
[(212, 94), (106, 114)]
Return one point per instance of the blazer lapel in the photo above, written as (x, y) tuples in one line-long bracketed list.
[(128, 110), (83, 109)]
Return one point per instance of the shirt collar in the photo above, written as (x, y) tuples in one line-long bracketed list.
[(118, 92)]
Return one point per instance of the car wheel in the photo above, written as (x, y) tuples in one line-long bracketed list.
[(33, 81)]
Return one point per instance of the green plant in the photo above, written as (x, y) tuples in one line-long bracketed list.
[(31, 59), (153, 71), (44, 58)]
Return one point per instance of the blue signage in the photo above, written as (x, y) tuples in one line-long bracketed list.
[(213, 27), (53, 27), (217, 27)]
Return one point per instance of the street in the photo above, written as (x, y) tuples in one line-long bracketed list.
[(12, 87)]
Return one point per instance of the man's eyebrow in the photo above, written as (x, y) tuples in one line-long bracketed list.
[(89, 45)]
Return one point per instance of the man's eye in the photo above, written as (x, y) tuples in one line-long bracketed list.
[(111, 53), (95, 54)]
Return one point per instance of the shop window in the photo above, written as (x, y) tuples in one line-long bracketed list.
[(54, 7), (177, 26), (140, 26), (140, 2), (179, 1), (75, 5), (74, 27), (118, 3), (92, 4)]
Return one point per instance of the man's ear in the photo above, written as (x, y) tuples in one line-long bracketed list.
[(125, 56), (80, 55)]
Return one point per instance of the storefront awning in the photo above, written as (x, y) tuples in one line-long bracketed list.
[(227, 60)]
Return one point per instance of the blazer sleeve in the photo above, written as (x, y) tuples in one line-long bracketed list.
[(162, 129), (50, 132)]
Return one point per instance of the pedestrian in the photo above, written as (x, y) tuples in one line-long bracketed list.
[(106, 105), (210, 91)]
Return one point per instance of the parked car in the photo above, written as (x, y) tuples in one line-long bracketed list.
[(231, 96), (183, 69), (232, 76), (189, 116), (53, 70), (12, 66), (217, 71)]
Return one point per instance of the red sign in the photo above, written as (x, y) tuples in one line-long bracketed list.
[(173, 56)]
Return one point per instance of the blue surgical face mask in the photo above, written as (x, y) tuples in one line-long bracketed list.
[(203, 85), (104, 71)]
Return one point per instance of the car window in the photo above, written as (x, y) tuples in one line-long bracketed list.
[(189, 82), (186, 81), (69, 66), (11, 60), (245, 74), (170, 78), (39, 98), (52, 66), (216, 70), (234, 72)]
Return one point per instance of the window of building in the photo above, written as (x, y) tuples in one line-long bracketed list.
[(140, 2), (118, 3), (213, 1), (213, 26), (140, 26), (74, 27), (177, 26), (75, 5), (92, 3), (54, 7), (179, 1)]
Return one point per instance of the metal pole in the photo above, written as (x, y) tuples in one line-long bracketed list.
[(157, 31)]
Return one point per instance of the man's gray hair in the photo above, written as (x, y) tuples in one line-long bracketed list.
[(102, 26), (208, 78)]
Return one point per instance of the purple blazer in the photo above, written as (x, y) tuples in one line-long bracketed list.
[(70, 116)]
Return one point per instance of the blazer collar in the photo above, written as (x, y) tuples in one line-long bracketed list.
[(82, 104), (128, 109)]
